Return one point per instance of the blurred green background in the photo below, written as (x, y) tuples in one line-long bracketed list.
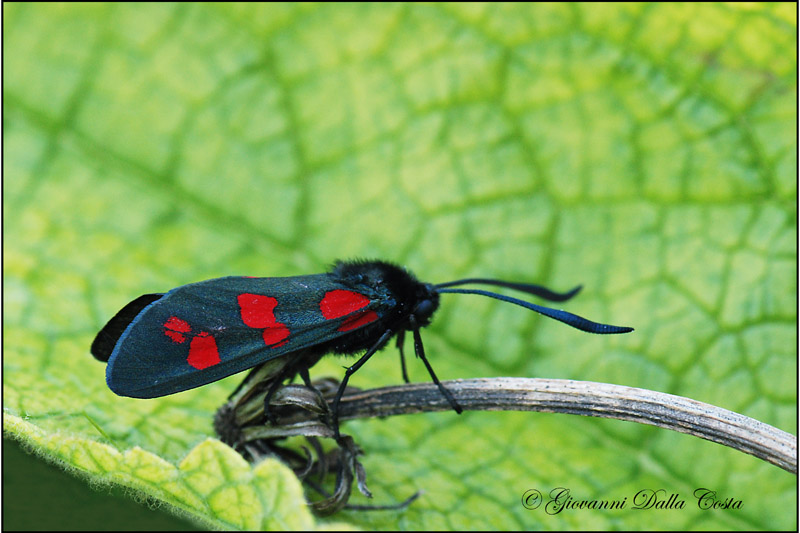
[(645, 150)]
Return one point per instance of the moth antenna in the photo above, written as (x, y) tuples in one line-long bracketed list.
[(562, 316), (529, 288)]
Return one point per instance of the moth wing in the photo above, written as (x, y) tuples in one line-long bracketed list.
[(105, 341), (206, 331)]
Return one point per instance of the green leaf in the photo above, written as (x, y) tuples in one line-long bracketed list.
[(212, 483), (647, 151)]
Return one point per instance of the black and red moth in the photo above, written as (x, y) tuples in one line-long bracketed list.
[(160, 344)]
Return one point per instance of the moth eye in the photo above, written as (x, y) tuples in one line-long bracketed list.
[(424, 309)]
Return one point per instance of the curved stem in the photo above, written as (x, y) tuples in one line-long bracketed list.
[(556, 396)]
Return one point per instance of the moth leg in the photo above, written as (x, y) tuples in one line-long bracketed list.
[(271, 418), (349, 372), (420, 352), (401, 335), (297, 366), (245, 381), (303, 372), (306, 378), (287, 372)]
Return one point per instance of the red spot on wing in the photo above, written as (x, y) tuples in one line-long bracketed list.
[(275, 334), (174, 328), (358, 320), (339, 303), (203, 351), (258, 311), (176, 324), (176, 337)]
